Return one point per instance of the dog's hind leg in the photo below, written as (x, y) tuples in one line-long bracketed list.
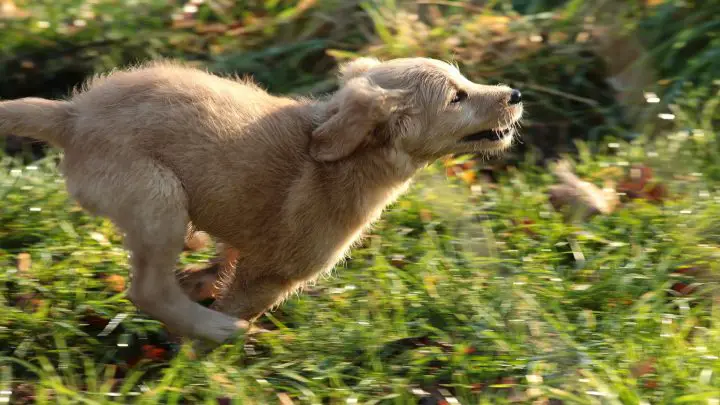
[(147, 202)]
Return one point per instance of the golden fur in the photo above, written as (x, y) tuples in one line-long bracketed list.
[(286, 184)]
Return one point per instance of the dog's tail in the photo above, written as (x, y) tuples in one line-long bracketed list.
[(38, 118)]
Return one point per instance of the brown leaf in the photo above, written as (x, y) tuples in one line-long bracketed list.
[(639, 183), (526, 225), (154, 353), (651, 384), (115, 282), (8, 9), (398, 261), (23, 394), (216, 28), (284, 399), (94, 320), (579, 198), (24, 262), (643, 367), (29, 301), (425, 215), (683, 288)]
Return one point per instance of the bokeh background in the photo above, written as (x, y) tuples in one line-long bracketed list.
[(581, 268)]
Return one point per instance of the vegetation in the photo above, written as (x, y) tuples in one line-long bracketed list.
[(473, 288)]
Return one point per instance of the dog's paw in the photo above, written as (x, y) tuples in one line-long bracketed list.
[(203, 347)]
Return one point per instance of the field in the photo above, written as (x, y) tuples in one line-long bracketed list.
[(474, 288)]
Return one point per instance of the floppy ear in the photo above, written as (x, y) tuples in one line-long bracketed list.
[(352, 115), (356, 68)]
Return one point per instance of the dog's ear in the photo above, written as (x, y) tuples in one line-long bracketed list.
[(352, 115), (356, 68)]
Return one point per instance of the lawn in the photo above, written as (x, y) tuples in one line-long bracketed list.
[(467, 289), (473, 288)]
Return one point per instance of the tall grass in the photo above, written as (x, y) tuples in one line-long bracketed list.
[(467, 290)]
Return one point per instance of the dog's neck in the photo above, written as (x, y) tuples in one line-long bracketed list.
[(365, 182)]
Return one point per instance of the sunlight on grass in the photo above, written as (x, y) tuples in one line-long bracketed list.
[(472, 288)]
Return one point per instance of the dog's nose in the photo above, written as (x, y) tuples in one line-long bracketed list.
[(515, 96)]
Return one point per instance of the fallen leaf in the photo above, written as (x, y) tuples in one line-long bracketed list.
[(578, 198), (639, 183), (94, 320), (398, 261), (651, 384), (155, 353), (683, 288), (526, 226), (23, 262), (284, 398), (468, 176), (115, 282), (28, 301), (23, 394), (643, 367)]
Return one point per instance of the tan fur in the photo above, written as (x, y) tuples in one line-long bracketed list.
[(286, 184)]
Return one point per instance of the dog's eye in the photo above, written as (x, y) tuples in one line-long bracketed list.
[(459, 96)]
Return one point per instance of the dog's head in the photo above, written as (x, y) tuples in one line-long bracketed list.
[(422, 107)]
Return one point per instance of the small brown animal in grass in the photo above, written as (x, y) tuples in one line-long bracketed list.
[(288, 184)]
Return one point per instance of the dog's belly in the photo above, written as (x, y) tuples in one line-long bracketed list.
[(294, 257)]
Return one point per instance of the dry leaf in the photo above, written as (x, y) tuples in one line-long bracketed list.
[(643, 367), (398, 261), (284, 399), (580, 198), (639, 184), (24, 262), (154, 353), (115, 282)]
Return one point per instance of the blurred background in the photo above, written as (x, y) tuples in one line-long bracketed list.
[(579, 268)]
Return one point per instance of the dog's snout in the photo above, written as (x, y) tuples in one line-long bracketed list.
[(515, 97)]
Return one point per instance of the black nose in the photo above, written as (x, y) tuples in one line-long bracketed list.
[(515, 97)]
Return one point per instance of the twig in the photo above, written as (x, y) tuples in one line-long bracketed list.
[(584, 100), (452, 4)]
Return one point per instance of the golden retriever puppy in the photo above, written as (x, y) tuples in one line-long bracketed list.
[(288, 183)]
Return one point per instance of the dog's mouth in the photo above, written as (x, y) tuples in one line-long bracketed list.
[(492, 135)]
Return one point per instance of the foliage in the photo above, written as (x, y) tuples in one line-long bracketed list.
[(482, 294), (467, 288)]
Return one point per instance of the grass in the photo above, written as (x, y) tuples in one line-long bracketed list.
[(483, 294), (468, 290)]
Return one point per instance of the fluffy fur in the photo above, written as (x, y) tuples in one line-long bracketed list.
[(287, 185)]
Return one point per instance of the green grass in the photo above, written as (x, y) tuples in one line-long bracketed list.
[(484, 295), (487, 295)]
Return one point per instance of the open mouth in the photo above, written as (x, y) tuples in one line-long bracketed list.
[(487, 135)]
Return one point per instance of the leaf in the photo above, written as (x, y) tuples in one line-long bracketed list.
[(24, 262), (643, 367), (579, 198), (115, 283), (695, 398), (154, 353), (639, 184)]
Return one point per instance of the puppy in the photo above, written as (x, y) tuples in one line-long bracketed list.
[(288, 184)]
